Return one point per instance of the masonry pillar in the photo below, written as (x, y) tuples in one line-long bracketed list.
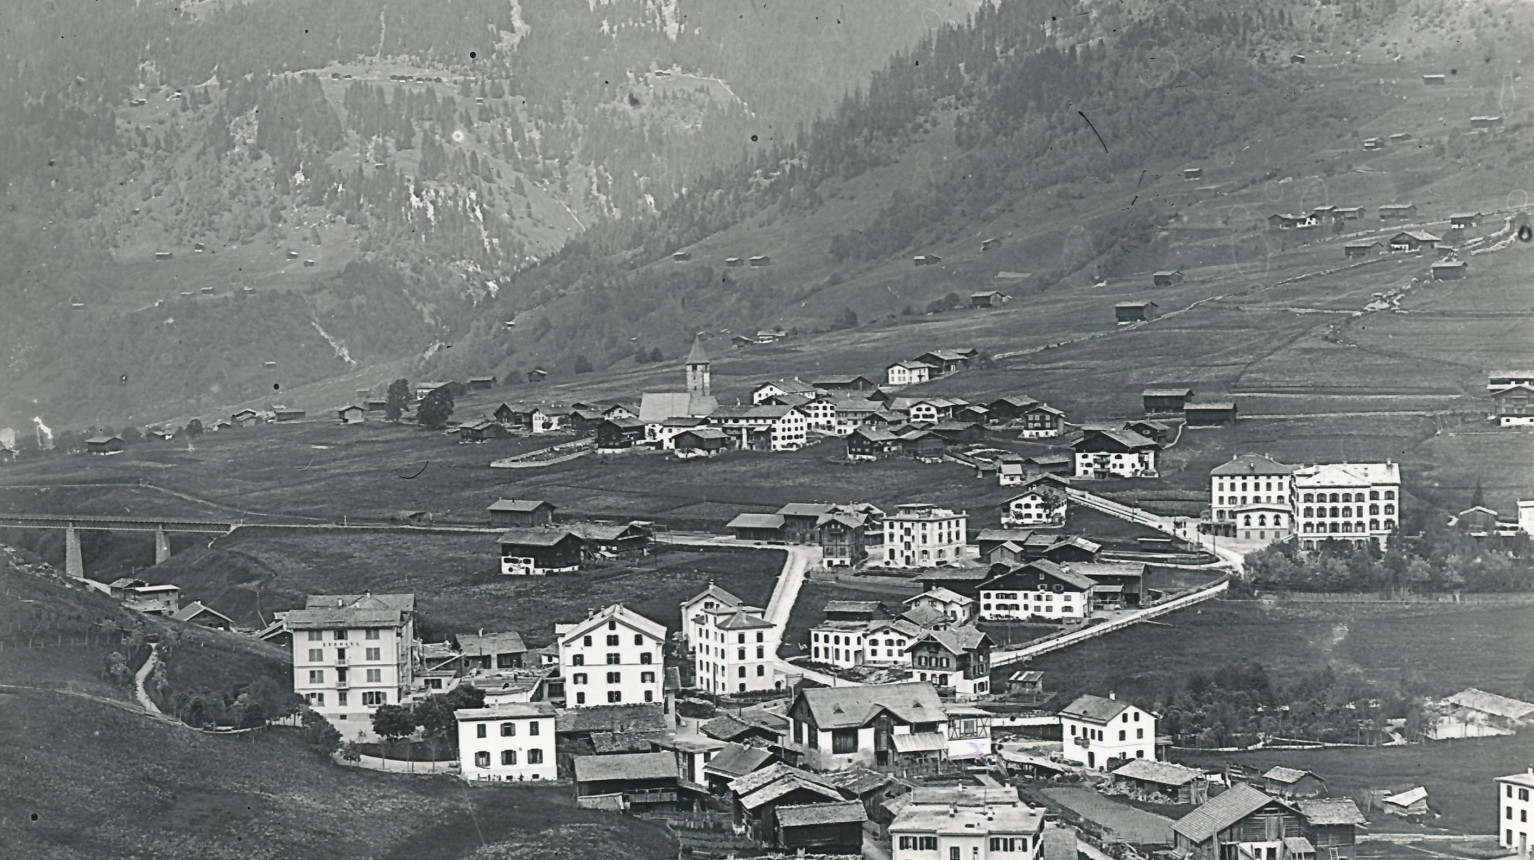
[(74, 564), (161, 546)]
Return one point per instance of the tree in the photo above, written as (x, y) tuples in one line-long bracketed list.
[(130, 435), (321, 736), (398, 396), (436, 408), (655, 354), (583, 364), (393, 722), (194, 428), (116, 669)]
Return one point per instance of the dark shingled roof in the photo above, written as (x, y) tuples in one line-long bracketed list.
[(851, 707), (736, 761), (602, 768), (643, 717), (1221, 812), (1094, 708), (821, 813), (1330, 811)]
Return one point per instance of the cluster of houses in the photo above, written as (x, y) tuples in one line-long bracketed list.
[(1483, 522), (533, 545), (1256, 498)]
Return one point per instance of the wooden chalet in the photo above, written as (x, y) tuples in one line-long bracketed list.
[(1242, 822), (1167, 278), (866, 443), (1134, 311), (202, 615), (1289, 782), (637, 782), (1165, 401), (520, 513), (1162, 782), (821, 828), (539, 552), (619, 433), (1210, 413), (616, 540), (104, 445)]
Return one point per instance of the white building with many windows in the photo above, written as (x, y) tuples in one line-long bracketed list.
[(1250, 498), (1513, 796), (1346, 501), (511, 742), (352, 653), (1099, 732), (845, 644), (969, 823), (921, 535), (613, 657), (1040, 589), (734, 646)]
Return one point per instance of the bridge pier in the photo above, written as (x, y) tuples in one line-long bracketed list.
[(74, 563), (161, 546)]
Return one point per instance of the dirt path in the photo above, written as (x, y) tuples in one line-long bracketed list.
[(138, 682)]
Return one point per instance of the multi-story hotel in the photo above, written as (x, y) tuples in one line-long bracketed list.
[(923, 535), (352, 653)]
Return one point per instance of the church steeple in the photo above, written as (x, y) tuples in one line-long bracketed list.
[(697, 370)]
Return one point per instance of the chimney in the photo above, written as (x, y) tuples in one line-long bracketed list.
[(1113, 696), (953, 809)]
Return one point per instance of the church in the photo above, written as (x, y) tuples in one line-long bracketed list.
[(667, 413)]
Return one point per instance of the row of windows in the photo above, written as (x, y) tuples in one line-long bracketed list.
[(1024, 595), (1523, 793), (340, 635), (614, 697), (1347, 511), (1221, 484), (1256, 500), (612, 659), (1027, 607), (1374, 496), (612, 639), (317, 676), (1349, 528), (508, 758), (1097, 734), (371, 698), (508, 730), (614, 678), (938, 662), (372, 655), (1523, 814)]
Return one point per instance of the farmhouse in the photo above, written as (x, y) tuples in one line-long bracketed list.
[(1512, 397), (957, 658), (352, 653), (1041, 589), (908, 372), (707, 440), (1134, 311), (1449, 270), (763, 428), (1165, 401), (1041, 504), (283, 414), (351, 414), (946, 361), (1331, 826), (767, 391), (1407, 804), (1210, 413), (203, 616), (104, 445), (1361, 249), (832, 727), (540, 551), (1167, 278), (1373, 144), (1477, 713), (619, 433), (1164, 781), (733, 761), (1114, 453), (520, 513), (1041, 421), (613, 657), (952, 608), (152, 599), (821, 828), (639, 782), (850, 382), (1464, 220), (1413, 240), (479, 431), (759, 795), (758, 527), (1099, 732), (1242, 822), (1398, 212), (510, 742), (1290, 783), (869, 444), (1192, 173)]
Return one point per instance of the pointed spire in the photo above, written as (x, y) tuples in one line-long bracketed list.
[(698, 355)]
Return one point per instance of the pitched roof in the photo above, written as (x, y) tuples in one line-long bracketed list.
[(326, 611), (852, 707), (1491, 703), (756, 780), (785, 785), (943, 594), (745, 618), (196, 608), (1221, 812), (525, 506), (1094, 708), (957, 640), (847, 812), (1252, 464), (1288, 775), (737, 761), (506, 709), (535, 537), (1159, 772), (641, 717), (656, 406), (487, 644), (862, 606), (625, 766), (756, 521), (1167, 392), (1407, 798), (698, 355), (1323, 811), (617, 613), (805, 509)]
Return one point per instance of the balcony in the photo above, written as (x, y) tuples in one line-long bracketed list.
[(341, 660), (342, 684), (1083, 742)]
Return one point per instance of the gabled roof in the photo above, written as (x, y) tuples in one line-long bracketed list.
[(1329, 811), (630, 766), (912, 364), (713, 592), (535, 537), (326, 611), (1288, 775), (812, 814), (1158, 772), (1127, 438), (639, 717), (756, 521), (525, 506), (805, 509), (736, 761), (619, 613), (924, 616), (785, 785), (1252, 464), (1419, 235), (745, 618), (1407, 798), (1167, 392), (1491, 703), (1050, 569), (957, 640), (656, 406), (1222, 811), (489, 644), (852, 707), (868, 607), (1095, 709), (943, 594), (757, 780), (196, 608)]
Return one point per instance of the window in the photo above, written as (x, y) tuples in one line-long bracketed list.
[(586, 640), (508, 730), (535, 756), (532, 728), (759, 636), (339, 635), (374, 654), (1139, 734), (479, 730), (1523, 794), (645, 677), (614, 659), (371, 633), (955, 853), (1122, 734), (649, 695), (614, 697), (375, 697), (578, 660), (341, 699), (612, 641), (760, 652), (614, 677), (316, 635), (375, 676), (742, 672), (316, 676), (508, 757), (761, 671), (740, 654), (316, 655), (844, 741), (612, 625), (482, 759), (578, 678), (580, 698)]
